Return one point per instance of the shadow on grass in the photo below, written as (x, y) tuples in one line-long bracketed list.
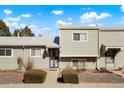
[(59, 79)]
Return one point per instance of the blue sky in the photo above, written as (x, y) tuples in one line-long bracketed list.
[(45, 19)]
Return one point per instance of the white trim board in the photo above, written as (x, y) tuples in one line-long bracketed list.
[(79, 56)]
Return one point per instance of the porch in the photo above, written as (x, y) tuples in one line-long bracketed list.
[(110, 53)]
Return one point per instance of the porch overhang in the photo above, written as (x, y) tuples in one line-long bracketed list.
[(116, 49), (78, 55), (107, 47), (52, 46), (113, 47)]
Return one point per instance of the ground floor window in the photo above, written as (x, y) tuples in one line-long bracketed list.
[(75, 63), (5, 52), (78, 63), (109, 56), (36, 52)]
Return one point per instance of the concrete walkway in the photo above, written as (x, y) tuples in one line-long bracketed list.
[(118, 73), (51, 77)]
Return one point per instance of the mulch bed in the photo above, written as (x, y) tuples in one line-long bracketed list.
[(91, 77), (11, 76)]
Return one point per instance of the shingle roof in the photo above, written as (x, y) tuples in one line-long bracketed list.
[(28, 41)]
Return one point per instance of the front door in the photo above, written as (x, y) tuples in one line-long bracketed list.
[(53, 63), (54, 58), (109, 59)]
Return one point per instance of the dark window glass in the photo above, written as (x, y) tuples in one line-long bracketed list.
[(8, 52), (76, 36), (2, 52), (75, 63)]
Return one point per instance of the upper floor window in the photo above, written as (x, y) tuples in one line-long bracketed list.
[(36, 52), (80, 36), (5, 52)]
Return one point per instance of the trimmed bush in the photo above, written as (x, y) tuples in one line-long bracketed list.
[(70, 76), (34, 76)]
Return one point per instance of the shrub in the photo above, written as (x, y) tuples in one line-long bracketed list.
[(34, 76), (29, 65), (20, 63), (70, 76)]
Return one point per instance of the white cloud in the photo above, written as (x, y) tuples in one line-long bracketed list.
[(61, 22), (123, 18), (85, 8), (69, 18), (7, 12), (14, 25), (39, 14), (18, 18), (57, 12), (122, 8), (26, 15), (12, 18), (91, 16), (22, 25), (93, 24), (35, 29), (46, 29)]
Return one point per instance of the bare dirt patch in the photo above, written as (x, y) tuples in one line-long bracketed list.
[(10, 76), (91, 77)]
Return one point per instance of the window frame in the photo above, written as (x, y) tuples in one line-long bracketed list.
[(5, 52), (84, 32), (78, 59), (36, 55)]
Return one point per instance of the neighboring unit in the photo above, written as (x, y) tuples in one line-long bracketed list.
[(92, 47), (44, 51)]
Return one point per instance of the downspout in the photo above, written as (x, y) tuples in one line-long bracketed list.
[(23, 54), (98, 49)]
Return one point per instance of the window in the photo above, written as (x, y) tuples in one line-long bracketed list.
[(80, 36), (5, 52), (36, 52), (75, 63), (78, 63), (76, 36)]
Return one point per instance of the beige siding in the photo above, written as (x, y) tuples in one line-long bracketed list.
[(79, 48), (112, 38), (11, 62), (39, 62)]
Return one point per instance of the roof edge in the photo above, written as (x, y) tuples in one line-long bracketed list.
[(77, 27)]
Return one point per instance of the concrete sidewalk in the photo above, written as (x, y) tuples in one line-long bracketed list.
[(58, 85)]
